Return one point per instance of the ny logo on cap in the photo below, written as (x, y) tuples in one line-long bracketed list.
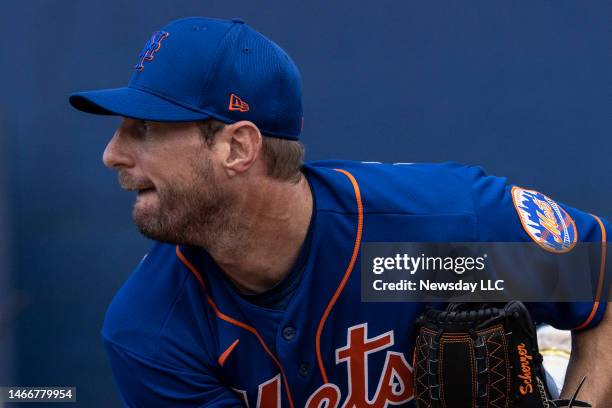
[(150, 48)]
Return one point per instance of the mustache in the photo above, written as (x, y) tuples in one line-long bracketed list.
[(131, 183)]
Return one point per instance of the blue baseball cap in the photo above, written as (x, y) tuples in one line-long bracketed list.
[(199, 68)]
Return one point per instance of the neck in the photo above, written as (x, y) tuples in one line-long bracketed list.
[(265, 240)]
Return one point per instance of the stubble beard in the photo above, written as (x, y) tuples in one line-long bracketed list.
[(198, 212)]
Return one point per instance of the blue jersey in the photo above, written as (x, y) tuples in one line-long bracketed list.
[(178, 334)]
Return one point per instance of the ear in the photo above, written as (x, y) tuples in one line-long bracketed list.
[(242, 146)]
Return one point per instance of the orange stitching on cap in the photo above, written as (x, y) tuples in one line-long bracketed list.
[(347, 274), (237, 104), (227, 352), (235, 322), (602, 270), (149, 55)]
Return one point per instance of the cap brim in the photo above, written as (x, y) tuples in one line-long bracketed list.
[(133, 103)]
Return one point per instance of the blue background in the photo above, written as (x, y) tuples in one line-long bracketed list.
[(521, 88)]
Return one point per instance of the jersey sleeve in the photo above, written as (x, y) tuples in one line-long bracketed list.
[(145, 382), (507, 213), (158, 339)]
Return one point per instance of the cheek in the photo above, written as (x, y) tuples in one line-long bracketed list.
[(179, 172), (160, 176), (170, 169)]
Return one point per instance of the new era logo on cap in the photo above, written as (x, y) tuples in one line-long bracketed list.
[(237, 104)]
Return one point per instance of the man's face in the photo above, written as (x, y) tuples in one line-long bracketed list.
[(179, 198)]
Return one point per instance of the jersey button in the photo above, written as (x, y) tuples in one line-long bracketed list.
[(288, 333), (304, 369)]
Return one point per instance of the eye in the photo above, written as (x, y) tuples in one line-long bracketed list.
[(143, 128)]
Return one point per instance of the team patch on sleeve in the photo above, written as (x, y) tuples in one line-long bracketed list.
[(549, 225)]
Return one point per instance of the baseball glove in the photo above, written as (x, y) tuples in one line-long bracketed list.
[(477, 355)]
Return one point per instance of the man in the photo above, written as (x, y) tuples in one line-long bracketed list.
[(251, 295)]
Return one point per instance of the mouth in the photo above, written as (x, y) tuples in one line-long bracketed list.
[(142, 191), (139, 190)]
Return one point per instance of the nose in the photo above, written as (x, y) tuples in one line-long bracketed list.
[(117, 153)]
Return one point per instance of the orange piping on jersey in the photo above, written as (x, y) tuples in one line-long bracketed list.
[(189, 266), (347, 274), (602, 271), (235, 322), (227, 352)]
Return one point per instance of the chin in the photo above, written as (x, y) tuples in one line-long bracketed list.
[(148, 222), (153, 230), (156, 227)]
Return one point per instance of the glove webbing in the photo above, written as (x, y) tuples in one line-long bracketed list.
[(483, 350)]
